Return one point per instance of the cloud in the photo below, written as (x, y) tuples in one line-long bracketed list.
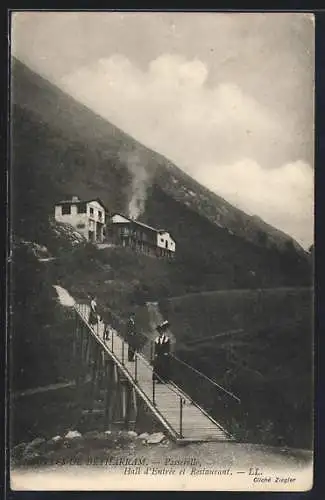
[(169, 108), (209, 131), (283, 197)]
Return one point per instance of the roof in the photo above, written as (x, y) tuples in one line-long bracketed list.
[(134, 221), (78, 202), (139, 223)]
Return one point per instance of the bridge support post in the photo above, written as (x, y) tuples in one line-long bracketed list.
[(110, 394), (96, 366), (129, 404), (114, 397), (108, 388), (83, 337), (77, 353), (74, 342)]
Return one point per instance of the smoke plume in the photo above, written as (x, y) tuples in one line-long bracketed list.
[(139, 183)]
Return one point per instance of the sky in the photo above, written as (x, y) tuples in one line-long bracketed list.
[(228, 97)]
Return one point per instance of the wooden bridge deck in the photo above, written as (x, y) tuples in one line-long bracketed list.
[(197, 425)]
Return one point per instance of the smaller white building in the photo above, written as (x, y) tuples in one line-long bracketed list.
[(165, 241), (88, 217)]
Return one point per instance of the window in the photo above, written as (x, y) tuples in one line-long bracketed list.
[(99, 214), (66, 209), (81, 208), (166, 244), (91, 211)]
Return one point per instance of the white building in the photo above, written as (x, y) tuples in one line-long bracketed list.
[(141, 237), (165, 241), (87, 216)]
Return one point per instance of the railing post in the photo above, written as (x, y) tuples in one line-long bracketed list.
[(136, 367), (181, 417), (151, 351), (153, 390), (76, 322)]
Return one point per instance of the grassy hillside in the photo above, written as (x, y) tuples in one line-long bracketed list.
[(196, 316), (268, 364), (210, 257)]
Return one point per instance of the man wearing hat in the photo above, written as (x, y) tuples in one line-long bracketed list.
[(161, 364), (131, 337), (93, 313)]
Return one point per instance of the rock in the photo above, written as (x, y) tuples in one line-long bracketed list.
[(132, 434), (56, 438), (156, 438), (36, 442), (144, 435), (72, 435)]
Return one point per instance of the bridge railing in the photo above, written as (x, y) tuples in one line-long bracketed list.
[(213, 399), (138, 370), (216, 400), (199, 387), (175, 399)]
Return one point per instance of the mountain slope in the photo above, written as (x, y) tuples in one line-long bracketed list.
[(59, 148)]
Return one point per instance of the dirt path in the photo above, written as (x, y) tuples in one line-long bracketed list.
[(64, 296)]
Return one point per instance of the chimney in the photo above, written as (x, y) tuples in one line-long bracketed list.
[(75, 198)]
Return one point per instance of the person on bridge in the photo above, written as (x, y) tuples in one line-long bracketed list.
[(161, 362), (107, 325), (93, 314), (107, 329), (132, 337)]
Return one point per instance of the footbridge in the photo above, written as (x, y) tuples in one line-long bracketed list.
[(127, 386)]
